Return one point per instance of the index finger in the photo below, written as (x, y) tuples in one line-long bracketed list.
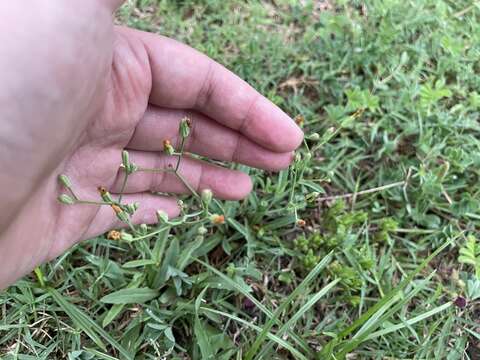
[(184, 78)]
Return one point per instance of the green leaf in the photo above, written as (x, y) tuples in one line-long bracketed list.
[(130, 296), (138, 263), (112, 314)]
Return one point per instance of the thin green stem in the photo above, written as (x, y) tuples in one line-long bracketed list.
[(182, 147), (124, 185), (364, 192), (89, 202), (75, 197), (185, 182), (154, 170)]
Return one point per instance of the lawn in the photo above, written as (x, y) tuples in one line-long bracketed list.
[(366, 248)]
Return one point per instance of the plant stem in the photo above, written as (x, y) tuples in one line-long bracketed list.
[(70, 190), (185, 182), (153, 170), (364, 192), (124, 184), (182, 146), (88, 202)]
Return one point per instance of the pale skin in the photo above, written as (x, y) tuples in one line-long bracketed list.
[(77, 90)]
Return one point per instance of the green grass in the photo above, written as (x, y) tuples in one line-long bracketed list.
[(391, 87)]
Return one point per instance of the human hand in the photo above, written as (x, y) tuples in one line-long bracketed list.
[(77, 91)]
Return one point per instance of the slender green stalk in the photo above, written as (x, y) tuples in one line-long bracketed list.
[(124, 185)]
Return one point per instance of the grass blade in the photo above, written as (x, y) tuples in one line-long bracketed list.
[(300, 288), (87, 325), (279, 341), (412, 321), (257, 303)]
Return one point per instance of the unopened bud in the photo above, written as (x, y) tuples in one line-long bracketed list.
[(299, 120), (125, 159), (312, 196), (207, 196), (65, 199), (143, 228), (127, 236), (217, 219), (131, 208), (65, 181), (168, 148), (202, 230), (162, 216), (106, 196), (301, 222), (184, 129), (314, 137), (122, 216)]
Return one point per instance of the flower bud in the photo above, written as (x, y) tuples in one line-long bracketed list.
[(105, 195), (202, 230), (299, 120), (126, 236), (184, 129), (168, 148), (207, 196), (125, 159), (65, 199), (217, 219), (131, 208), (65, 181), (311, 197), (143, 229), (314, 137), (122, 216), (162, 216), (301, 222)]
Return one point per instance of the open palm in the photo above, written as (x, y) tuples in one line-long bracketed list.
[(139, 90)]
